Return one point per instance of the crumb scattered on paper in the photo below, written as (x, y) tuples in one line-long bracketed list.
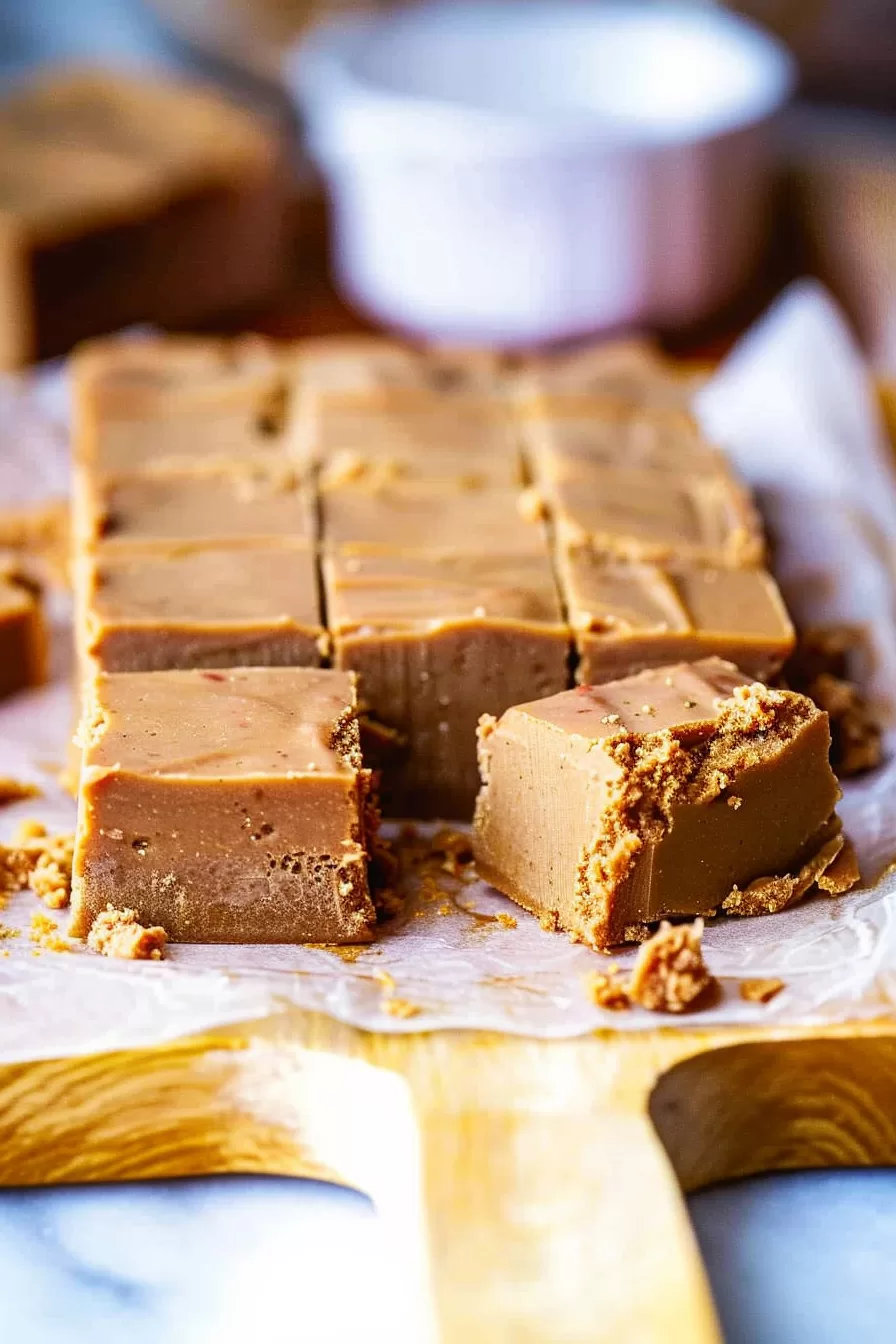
[(39, 861), (44, 931), (16, 790), (669, 974), (760, 991), (118, 933), (833, 868), (391, 1003)]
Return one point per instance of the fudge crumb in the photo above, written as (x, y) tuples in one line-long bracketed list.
[(506, 921), (735, 801), (768, 895), (669, 974), (44, 931), (7, 932), (821, 667), (16, 790), (29, 829), (117, 933), (606, 989), (760, 991), (401, 1008)]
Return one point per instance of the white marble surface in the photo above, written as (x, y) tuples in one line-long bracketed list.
[(793, 1259)]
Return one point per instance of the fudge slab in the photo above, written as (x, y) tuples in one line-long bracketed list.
[(421, 516), (369, 371), (190, 506), (129, 199), (627, 616), (435, 643), (664, 441), (169, 403), (23, 635), (438, 442), (226, 806), (200, 606), (606, 808), (646, 515), (606, 375)]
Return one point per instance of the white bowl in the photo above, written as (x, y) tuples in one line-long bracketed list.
[(521, 172)]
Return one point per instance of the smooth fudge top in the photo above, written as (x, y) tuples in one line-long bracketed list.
[(202, 585), (373, 592), (626, 373), (683, 699), (280, 722), (371, 369), (610, 596)]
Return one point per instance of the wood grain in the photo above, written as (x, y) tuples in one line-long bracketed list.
[(534, 1187)]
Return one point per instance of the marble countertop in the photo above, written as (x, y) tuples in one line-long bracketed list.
[(792, 1259)]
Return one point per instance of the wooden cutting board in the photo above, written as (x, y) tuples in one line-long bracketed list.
[(535, 1186)]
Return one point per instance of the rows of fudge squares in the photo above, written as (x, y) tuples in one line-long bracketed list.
[(448, 529)]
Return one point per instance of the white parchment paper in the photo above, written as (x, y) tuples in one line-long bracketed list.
[(795, 407)]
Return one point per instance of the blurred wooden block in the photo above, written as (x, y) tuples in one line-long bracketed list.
[(128, 200)]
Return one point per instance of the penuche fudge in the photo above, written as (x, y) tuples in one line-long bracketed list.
[(127, 199), (23, 635), (198, 605), (242, 504), (597, 377), (679, 791), (436, 642), (628, 615), (226, 807), (369, 371), (421, 516), (170, 403)]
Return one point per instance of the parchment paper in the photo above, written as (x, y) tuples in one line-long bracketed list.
[(794, 406)]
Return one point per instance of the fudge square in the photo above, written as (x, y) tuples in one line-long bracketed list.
[(437, 641), (230, 605), (228, 807), (679, 791), (23, 635)]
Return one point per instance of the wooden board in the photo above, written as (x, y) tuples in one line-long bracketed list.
[(535, 1187)]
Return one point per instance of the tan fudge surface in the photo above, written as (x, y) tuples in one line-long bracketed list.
[(661, 440), (414, 517), (606, 808), (435, 643), (23, 635), (473, 445), (200, 606), (627, 615), (224, 806), (191, 506), (368, 371), (168, 403), (129, 199), (602, 376)]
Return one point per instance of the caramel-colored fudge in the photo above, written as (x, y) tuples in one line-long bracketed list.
[(627, 616), (368, 371), (200, 606), (191, 506), (423, 517), (679, 791), (560, 446), (606, 375), (177, 402), (467, 446), (129, 199), (227, 807), (436, 643), (648, 515), (23, 635)]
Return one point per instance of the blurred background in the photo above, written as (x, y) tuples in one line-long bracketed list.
[(393, 129)]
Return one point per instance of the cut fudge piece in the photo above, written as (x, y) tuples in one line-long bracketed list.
[(200, 606), (169, 403), (130, 199), (409, 516), (439, 442), (227, 807), (605, 375), (435, 643), (606, 808), (23, 635), (190, 506), (627, 616), (662, 441), (646, 515), (369, 371)]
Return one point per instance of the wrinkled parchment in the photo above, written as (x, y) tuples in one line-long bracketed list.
[(794, 407)]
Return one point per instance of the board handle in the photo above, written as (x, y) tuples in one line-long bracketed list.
[(549, 1209)]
